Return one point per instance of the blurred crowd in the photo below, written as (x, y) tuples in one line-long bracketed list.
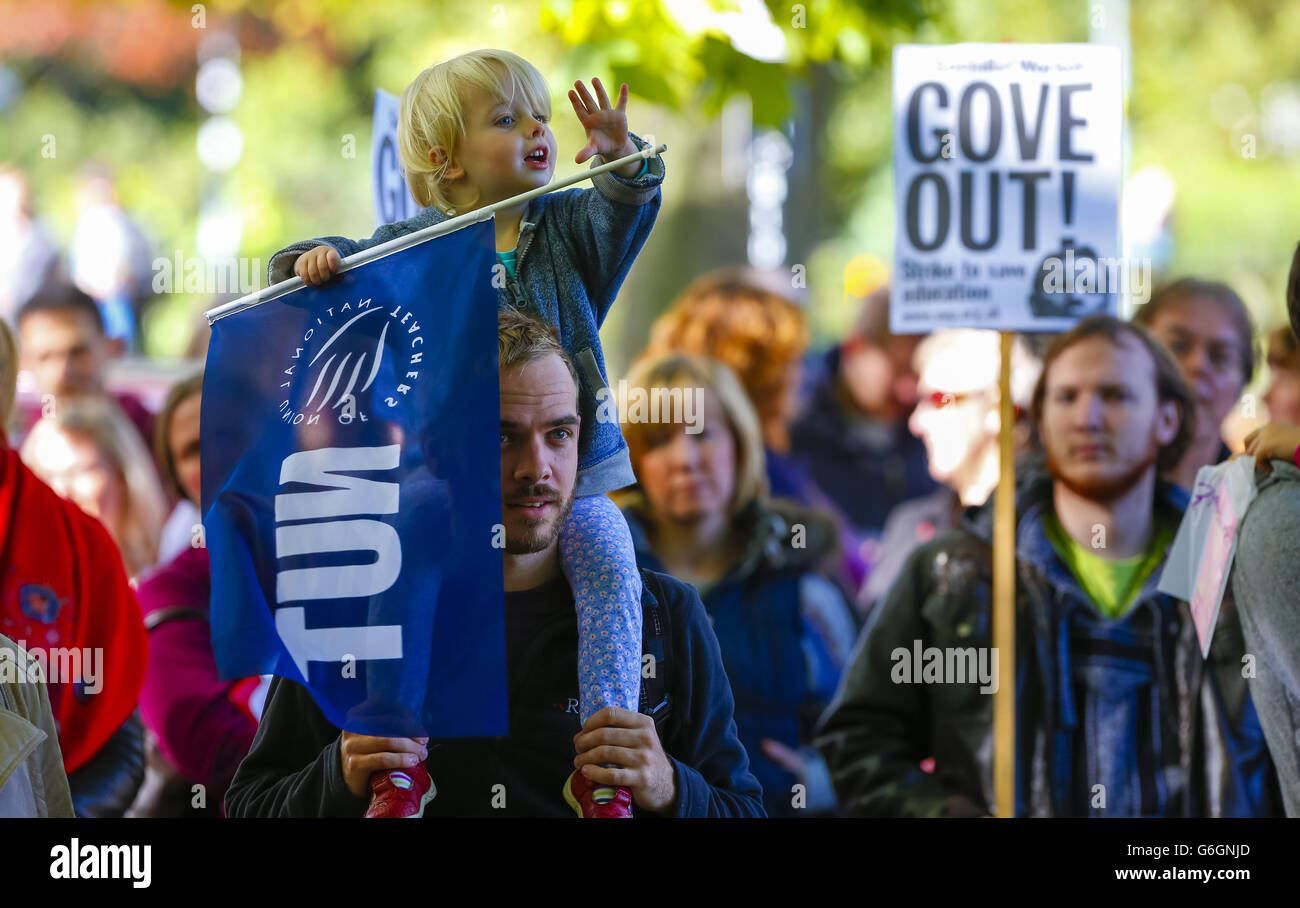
[(797, 512)]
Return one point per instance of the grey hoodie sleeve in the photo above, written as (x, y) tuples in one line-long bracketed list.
[(607, 225), (1265, 581), (630, 192), (280, 268)]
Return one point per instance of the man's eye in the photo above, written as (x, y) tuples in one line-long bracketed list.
[(505, 439), (562, 434)]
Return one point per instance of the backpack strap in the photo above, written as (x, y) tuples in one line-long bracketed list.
[(656, 643)]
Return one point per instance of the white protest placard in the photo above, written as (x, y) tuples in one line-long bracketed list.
[(393, 201), (1007, 163), (1200, 559)]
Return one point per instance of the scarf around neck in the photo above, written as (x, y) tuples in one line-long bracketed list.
[(64, 597)]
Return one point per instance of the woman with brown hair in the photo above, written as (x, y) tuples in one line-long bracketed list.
[(742, 319), (701, 513), (201, 727), (732, 316)]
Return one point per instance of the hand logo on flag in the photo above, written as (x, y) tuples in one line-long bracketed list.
[(376, 357), (364, 355)]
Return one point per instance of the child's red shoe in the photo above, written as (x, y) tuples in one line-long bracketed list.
[(400, 793), (592, 801)]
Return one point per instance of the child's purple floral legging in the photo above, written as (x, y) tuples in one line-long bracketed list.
[(597, 558)]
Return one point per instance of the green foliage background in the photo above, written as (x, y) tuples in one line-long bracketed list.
[(310, 68)]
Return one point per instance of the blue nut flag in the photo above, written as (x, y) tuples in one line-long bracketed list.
[(351, 487)]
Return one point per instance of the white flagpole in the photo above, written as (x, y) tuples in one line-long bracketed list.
[(266, 294)]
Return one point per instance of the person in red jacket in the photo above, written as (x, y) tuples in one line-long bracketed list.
[(202, 726), (64, 598)]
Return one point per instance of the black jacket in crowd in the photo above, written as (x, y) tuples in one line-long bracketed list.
[(294, 767), (1115, 717)]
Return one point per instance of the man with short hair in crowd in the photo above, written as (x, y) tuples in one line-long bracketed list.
[(958, 419), (1117, 713), (65, 348), (687, 761)]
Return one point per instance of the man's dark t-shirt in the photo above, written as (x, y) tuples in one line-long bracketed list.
[(530, 763)]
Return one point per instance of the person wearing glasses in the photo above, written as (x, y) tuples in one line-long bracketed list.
[(957, 419)]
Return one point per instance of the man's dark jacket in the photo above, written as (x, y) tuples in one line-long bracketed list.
[(1128, 705), (293, 768)]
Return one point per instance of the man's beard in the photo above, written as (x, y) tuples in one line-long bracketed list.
[(538, 538), (1104, 489)]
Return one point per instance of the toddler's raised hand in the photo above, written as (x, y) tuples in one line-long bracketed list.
[(606, 126), (316, 266)]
